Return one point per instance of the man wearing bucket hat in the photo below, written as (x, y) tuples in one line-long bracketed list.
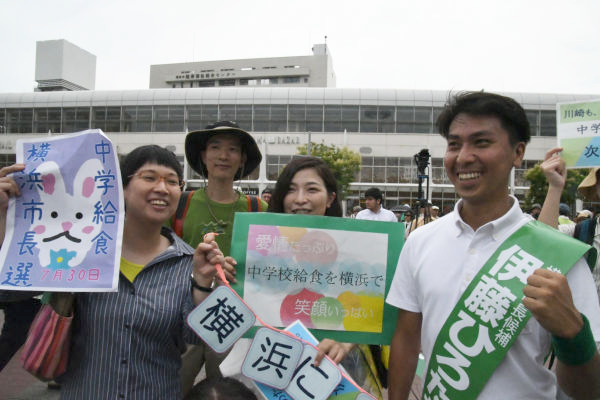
[(222, 153)]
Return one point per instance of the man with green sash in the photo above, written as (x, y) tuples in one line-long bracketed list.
[(496, 290)]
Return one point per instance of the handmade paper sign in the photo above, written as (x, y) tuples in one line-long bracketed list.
[(272, 358), (64, 232), (310, 382), (332, 274), (578, 133), (343, 391), (221, 319)]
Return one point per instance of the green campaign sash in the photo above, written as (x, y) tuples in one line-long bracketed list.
[(490, 315)]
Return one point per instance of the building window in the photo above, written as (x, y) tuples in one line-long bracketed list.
[(297, 118), (278, 118), (548, 123), (198, 116), (75, 119), (106, 118), (291, 79), (405, 119), (261, 117), (533, 118), (333, 118), (386, 119), (314, 118), (227, 82), (243, 116), (350, 118), (368, 119), (227, 112), (423, 120)]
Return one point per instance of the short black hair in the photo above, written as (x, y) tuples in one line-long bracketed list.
[(148, 154), (480, 104), (267, 190), (374, 193)]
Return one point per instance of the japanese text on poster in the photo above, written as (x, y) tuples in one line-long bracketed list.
[(578, 131), (64, 231)]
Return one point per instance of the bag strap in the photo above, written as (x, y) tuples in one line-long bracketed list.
[(182, 208), (585, 231), (254, 204)]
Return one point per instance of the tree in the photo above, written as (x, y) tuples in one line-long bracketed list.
[(539, 186), (344, 163)]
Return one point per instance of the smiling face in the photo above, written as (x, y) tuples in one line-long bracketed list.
[(479, 157), (152, 194), (307, 194), (223, 156)]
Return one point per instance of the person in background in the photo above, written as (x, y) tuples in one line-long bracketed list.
[(535, 209), (582, 215), (555, 171), (355, 211), (266, 195), (222, 153), (564, 217), (435, 212), (374, 210)]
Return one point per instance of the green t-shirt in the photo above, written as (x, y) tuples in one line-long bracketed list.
[(199, 221)]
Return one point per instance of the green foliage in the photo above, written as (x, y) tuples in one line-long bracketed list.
[(539, 186), (344, 163)]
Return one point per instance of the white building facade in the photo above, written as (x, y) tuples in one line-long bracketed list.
[(386, 127)]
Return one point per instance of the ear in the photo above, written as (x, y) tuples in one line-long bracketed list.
[(519, 154), (330, 198), (52, 181), (84, 184)]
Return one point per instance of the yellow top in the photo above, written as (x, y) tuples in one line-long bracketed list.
[(130, 270)]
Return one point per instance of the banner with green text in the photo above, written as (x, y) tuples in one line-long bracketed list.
[(578, 133)]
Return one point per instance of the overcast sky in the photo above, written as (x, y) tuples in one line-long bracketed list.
[(547, 46)]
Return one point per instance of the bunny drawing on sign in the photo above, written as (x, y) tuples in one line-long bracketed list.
[(66, 228)]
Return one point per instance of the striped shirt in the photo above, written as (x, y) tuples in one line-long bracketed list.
[(128, 344)]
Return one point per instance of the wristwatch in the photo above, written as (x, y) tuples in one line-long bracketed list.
[(200, 288)]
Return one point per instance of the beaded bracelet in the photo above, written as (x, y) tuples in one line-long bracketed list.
[(578, 350)]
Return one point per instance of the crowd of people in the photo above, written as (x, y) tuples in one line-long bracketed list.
[(135, 343)]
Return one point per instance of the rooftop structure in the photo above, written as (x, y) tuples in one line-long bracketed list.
[(62, 66), (315, 70)]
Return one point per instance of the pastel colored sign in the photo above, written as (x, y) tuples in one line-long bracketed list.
[(64, 231), (578, 133), (332, 274), (314, 276)]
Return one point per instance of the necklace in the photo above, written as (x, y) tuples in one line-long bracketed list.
[(219, 221)]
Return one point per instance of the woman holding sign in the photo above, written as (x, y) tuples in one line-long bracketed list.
[(127, 344), (307, 186)]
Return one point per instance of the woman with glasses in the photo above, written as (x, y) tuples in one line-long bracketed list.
[(127, 344)]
